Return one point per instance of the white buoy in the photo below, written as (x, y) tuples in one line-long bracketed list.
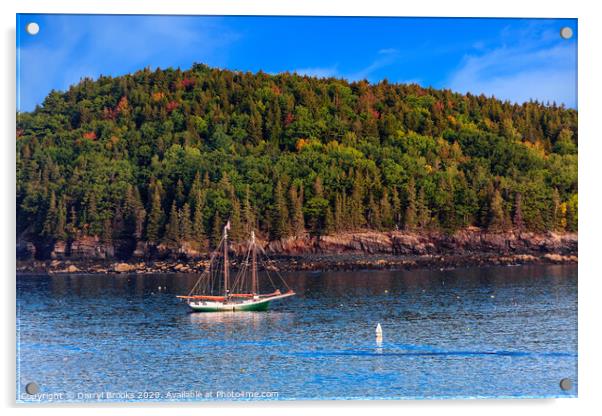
[(379, 335), (379, 331)]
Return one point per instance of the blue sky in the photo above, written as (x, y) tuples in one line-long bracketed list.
[(513, 59)]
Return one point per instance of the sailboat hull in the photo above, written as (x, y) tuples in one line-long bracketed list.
[(254, 305)]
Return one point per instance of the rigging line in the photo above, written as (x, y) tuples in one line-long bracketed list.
[(268, 274), (277, 271), (202, 274), (241, 272), (198, 282)]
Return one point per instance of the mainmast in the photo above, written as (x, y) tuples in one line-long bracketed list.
[(254, 268), (226, 265)]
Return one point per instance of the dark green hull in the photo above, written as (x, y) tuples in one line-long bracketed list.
[(253, 307)]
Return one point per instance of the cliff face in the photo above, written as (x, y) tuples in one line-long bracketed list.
[(404, 243), (468, 241)]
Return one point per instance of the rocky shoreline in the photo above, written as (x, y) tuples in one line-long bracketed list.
[(299, 263), (347, 251)]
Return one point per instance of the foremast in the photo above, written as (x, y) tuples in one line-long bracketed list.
[(226, 262), (254, 283)]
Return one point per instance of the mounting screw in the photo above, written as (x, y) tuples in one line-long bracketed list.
[(566, 384), (566, 33), (32, 28), (32, 388)]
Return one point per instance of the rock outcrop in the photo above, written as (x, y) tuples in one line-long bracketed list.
[(471, 240), (91, 248), (398, 243)]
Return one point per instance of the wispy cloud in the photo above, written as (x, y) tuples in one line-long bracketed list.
[(324, 72), (542, 68), (385, 58), (105, 45)]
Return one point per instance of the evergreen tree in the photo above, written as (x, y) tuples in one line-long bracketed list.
[(172, 229), (236, 226), (92, 216), (107, 231), (386, 211), (198, 225), (396, 207), (217, 230), (374, 217), (51, 217), (356, 206), (248, 212), (72, 226), (185, 223), (496, 212), (179, 195), (280, 227), (518, 212), (423, 217), (411, 209), (296, 209), (557, 214), (154, 229), (61, 221), (339, 212)]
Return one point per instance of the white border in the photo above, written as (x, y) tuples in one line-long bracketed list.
[(590, 151)]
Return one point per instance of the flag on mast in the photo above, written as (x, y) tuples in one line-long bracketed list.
[(227, 227)]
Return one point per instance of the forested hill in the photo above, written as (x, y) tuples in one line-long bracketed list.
[(168, 156)]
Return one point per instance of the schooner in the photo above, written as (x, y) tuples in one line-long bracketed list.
[(215, 291)]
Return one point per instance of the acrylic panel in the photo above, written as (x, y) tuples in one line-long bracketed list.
[(234, 208)]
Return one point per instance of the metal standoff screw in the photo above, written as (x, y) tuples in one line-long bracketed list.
[(566, 384), (32, 388)]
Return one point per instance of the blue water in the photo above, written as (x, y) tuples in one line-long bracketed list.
[(476, 332)]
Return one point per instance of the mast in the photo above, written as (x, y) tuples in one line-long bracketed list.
[(254, 268), (226, 265)]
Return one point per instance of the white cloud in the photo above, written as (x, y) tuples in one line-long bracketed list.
[(104, 44), (521, 73), (386, 57), (325, 72)]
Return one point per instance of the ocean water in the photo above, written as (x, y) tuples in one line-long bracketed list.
[(475, 332)]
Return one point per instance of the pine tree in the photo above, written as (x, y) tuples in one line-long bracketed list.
[(396, 206), (216, 233), (386, 211), (318, 188), (196, 190), (328, 221), (557, 215), (374, 217), (95, 224), (496, 212), (172, 230), (236, 225), (356, 205), (139, 214), (280, 227), (339, 212), (179, 195), (296, 209), (248, 213), (72, 226), (518, 211), (61, 221), (198, 225), (185, 223), (107, 231), (156, 218), (423, 217), (411, 209), (51, 217)]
